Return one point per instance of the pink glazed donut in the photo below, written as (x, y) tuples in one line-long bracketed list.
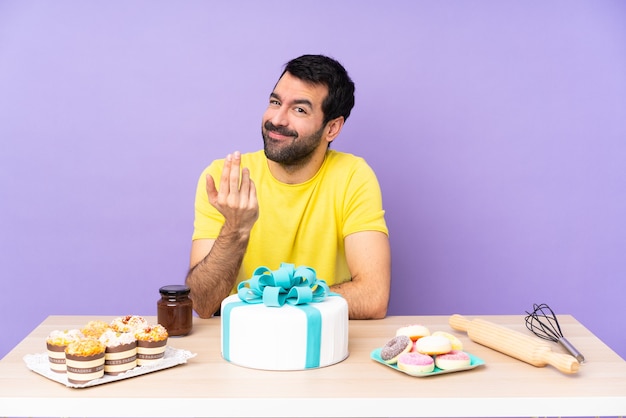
[(416, 363), (455, 359)]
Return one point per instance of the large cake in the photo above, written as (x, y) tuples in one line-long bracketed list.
[(284, 320)]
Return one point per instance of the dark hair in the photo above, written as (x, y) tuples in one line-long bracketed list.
[(319, 69)]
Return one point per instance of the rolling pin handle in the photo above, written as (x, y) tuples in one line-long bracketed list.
[(562, 362), (459, 322)]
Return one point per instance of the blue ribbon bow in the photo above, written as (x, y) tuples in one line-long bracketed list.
[(285, 285)]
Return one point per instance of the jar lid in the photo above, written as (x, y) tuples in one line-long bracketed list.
[(175, 289)]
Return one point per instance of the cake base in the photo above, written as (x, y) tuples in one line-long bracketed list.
[(300, 337)]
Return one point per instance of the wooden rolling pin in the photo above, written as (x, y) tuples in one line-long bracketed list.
[(515, 344)]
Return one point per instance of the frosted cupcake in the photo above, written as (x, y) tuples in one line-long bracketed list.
[(84, 360), (151, 344), (121, 351), (128, 323), (95, 328), (56, 343)]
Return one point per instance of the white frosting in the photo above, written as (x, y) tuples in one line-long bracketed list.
[(272, 338), (130, 323), (112, 338), (433, 344), (58, 336)]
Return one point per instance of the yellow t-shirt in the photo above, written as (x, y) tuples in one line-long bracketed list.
[(302, 224)]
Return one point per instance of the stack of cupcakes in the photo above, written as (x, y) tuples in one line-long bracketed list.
[(105, 348)]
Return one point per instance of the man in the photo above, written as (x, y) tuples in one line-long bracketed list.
[(296, 202)]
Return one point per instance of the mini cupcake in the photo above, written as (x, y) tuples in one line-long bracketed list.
[(151, 343), (85, 360), (95, 328), (121, 351), (56, 343), (128, 323)]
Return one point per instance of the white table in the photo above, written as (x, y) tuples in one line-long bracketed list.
[(209, 386)]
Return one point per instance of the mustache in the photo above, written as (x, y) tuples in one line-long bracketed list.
[(269, 126)]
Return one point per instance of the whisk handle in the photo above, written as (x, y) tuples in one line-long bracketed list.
[(571, 349)]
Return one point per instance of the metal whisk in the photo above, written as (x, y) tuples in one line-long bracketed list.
[(543, 323)]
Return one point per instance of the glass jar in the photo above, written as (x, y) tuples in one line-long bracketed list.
[(174, 310)]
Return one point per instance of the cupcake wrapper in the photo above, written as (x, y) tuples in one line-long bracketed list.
[(82, 369), (56, 357), (120, 359), (149, 352)]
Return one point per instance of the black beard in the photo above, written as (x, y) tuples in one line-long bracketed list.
[(296, 152)]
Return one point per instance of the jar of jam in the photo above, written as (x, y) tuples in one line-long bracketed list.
[(174, 310)]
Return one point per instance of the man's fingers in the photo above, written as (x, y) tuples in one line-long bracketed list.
[(245, 182), (211, 190), (234, 171), (225, 176), (237, 190), (253, 200)]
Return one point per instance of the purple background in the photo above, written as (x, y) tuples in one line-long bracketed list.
[(497, 129)]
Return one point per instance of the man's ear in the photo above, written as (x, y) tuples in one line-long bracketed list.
[(333, 128)]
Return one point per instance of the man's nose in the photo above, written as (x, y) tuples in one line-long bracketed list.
[(279, 117)]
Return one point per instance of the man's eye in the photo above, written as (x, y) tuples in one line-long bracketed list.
[(275, 102), (299, 110)]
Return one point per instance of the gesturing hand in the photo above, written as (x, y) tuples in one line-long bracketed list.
[(236, 199)]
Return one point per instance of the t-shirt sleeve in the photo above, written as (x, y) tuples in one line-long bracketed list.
[(363, 202)]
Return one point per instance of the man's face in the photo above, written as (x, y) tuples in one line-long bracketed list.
[(292, 124)]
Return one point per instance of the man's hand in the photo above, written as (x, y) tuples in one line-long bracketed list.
[(236, 199), (214, 264)]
